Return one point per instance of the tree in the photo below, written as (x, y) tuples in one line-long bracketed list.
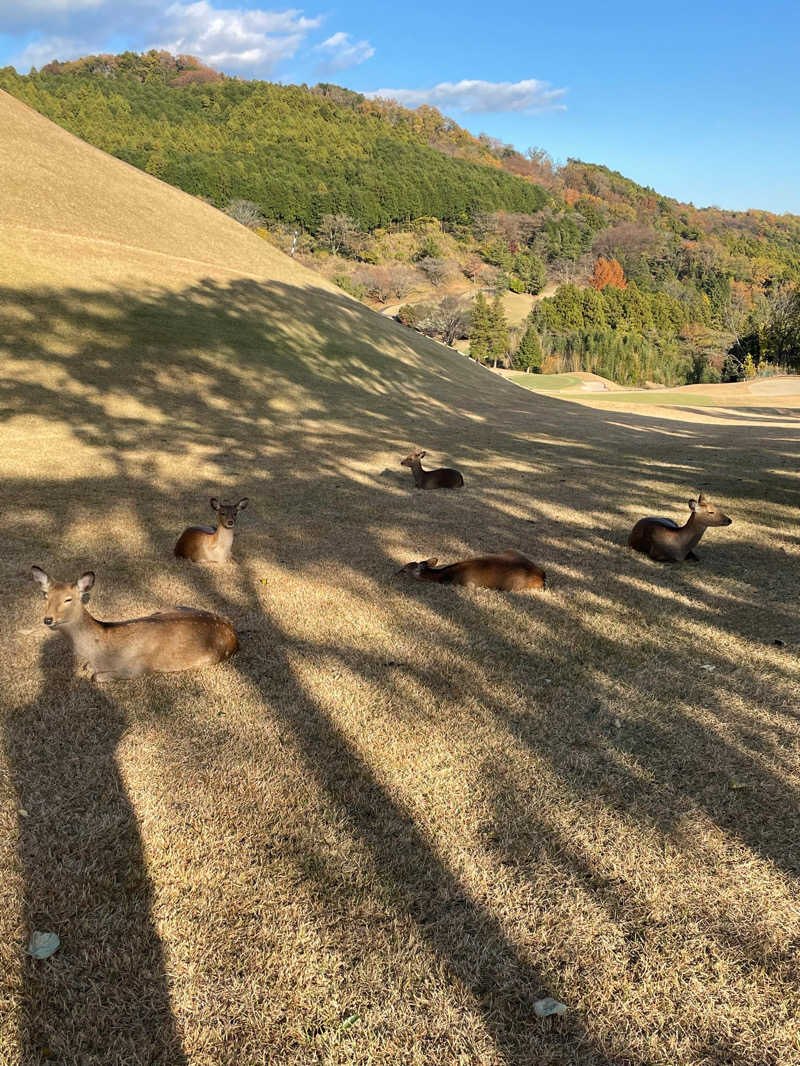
[(529, 355), (531, 270), (607, 272), (497, 252), (499, 338), (447, 320), (479, 334), (246, 212), (339, 233), (436, 270), (749, 367)]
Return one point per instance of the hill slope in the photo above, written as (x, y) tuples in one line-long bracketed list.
[(298, 154), (402, 813)]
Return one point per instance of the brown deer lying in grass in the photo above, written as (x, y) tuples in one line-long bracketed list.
[(183, 639), (204, 544), (443, 478), (667, 542), (511, 571)]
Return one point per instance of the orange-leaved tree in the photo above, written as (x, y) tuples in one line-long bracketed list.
[(608, 272)]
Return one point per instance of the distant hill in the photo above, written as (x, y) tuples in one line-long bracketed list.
[(298, 153), (695, 283)]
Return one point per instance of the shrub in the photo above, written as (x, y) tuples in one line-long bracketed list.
[(350, 286), (245, 212)]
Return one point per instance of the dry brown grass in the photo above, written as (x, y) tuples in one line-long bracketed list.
[(419, 807)]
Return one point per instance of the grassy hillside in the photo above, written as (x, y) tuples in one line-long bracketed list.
[(403, 813)]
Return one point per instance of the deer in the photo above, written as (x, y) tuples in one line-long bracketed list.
[(510, 571), (204, 544), (443, 478), (667, 542), (185, 638)]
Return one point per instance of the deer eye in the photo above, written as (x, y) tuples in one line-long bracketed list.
[(68, 599)]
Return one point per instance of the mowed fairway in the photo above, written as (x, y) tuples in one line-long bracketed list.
[(403, 812)]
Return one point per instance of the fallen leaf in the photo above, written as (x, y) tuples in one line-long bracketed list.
[(543, 1008), (707, 666), (43, 945), (22, 812)]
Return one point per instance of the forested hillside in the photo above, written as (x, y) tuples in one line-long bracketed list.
[(395, 204), (298, 154)]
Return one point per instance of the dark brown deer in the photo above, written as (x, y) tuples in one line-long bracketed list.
[(510, 571), (443, 478), (667, 542), (204, 544), (182, 639)]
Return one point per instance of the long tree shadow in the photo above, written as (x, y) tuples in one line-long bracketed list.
[(305, 456), (104, 996)]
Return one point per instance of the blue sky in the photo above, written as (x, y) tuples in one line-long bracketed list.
[(700, 100)]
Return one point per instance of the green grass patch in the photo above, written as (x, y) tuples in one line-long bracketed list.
[(545, 382)]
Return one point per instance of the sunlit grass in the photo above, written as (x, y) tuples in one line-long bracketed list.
[(403, 812)]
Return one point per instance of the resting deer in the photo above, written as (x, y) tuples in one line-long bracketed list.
[(182, 639), (203, 544), (443, 478), (511, 571), (667, 542)]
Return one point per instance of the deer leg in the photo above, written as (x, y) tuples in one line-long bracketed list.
[(112, 675), (693, 557)]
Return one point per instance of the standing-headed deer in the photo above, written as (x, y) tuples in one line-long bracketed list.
[(443, 478), (667, 542), (510, 571), (204, 544), (182, 639)]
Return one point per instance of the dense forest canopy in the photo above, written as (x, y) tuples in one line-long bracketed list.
[(649, 288), (297, 153)]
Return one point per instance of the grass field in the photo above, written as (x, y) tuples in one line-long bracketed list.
[(402, 813), (545, 382)]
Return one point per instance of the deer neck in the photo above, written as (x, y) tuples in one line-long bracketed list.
[(689, 535), (223, 538), (437, 573), (418, 472), (86, 633)]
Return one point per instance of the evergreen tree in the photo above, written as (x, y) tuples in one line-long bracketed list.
[(531, 270), (529, 355), (499, 338), (479, 336)]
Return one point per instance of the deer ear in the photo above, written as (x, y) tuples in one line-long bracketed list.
[(421, 455), (85, 582), (692, 505), (240, 506), (40, 577), (214, 503), (431, 562), (701, 498)]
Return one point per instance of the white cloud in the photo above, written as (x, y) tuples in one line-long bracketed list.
[(341, 52), (45, 50), (234, 38), (479, 97), (11, 8)]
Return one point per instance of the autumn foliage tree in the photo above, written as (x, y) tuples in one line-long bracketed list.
[(608, 272)]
